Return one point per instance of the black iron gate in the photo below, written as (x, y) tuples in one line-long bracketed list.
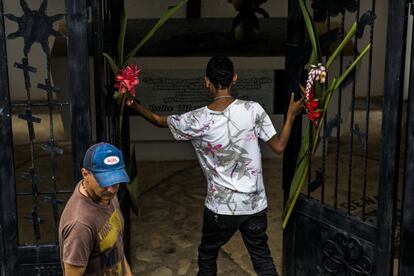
[(31, 193), (347, 222)]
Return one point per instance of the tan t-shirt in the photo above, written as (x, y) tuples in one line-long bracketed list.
[(90, 235)]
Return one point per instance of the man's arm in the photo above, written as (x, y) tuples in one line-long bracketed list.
[(278, 142), (155, 119), (72, 270)]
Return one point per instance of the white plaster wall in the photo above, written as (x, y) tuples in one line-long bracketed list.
[(210, 8), (155, 143)]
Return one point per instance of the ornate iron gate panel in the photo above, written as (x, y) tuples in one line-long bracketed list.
[(345, 223), (333, 242), (32, 195)]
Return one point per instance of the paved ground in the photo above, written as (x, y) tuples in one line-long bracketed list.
[(166, 233)]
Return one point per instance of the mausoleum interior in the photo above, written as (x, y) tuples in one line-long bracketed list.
[(165, 223)]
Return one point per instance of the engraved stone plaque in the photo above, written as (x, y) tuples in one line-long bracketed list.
[(174, 92)]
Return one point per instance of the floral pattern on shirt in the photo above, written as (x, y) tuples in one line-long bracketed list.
[(226, 144)]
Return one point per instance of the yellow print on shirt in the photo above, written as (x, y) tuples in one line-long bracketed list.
[(110, 232)]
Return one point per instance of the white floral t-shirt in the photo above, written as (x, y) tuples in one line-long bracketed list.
[(226, 144)]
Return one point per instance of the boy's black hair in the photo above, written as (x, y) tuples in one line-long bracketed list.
[(220, 71)]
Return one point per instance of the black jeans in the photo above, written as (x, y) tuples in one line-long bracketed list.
[(218, 229)]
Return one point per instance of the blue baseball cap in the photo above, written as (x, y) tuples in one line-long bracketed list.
[(106, 163)]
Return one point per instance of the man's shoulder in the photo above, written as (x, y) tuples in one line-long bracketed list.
[(77, 211)]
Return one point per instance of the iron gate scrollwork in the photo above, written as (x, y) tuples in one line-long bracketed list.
[(33, 254), (343, 255)]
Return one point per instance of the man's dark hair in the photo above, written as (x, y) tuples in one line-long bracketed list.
[(220, 71)]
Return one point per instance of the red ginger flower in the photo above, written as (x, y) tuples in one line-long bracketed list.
[(127, 79), (318, 73), (312, 110)]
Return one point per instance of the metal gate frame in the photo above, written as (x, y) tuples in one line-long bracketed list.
[(15, 257), (375, 241), (406, 264), (391, 136)]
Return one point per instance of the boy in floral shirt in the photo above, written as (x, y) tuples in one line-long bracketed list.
[(225, 137)]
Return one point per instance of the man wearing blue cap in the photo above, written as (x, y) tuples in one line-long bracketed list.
[(91, 225)]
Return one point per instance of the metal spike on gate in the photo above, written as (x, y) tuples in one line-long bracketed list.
[(26, 70), (30, 120), (36, 224), (330, 125), (30, 175), (366, 19), (319, 181), (52, 149), (47, 86), (360, 135), (39, 219), (52, 200)]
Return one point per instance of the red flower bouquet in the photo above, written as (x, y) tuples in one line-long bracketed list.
[(127, 79)]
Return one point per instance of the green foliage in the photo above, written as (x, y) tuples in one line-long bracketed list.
[(351, 67), (122, 61), (341, 46), (310, 28), (112, 63), (309, 144), (121, 38), (170, 12)]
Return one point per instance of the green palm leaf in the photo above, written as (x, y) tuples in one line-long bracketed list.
[(341, 46), (351, 67), (121, 38), (310, 28), (298, 179), (112, 63), (170, 12)]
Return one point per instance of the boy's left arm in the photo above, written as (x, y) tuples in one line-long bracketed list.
[(278, 142)]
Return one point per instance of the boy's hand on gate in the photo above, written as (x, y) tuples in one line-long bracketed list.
[(295, 107), (130, 101)]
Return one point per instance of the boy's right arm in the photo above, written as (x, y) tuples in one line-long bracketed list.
[(155, 119)]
